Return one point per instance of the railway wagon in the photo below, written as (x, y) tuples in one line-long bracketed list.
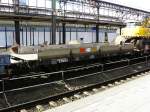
[(69, 51)]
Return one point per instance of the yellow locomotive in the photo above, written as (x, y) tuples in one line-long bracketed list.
[(135, 30), (137, 33)]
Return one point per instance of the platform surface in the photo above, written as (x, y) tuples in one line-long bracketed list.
[(132, 96)]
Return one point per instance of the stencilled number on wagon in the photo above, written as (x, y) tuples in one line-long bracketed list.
[(63, 60)]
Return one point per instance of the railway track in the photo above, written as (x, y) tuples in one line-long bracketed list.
[(82, 94), (29, 91)]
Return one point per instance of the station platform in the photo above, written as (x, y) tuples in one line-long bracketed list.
[(132, 96)]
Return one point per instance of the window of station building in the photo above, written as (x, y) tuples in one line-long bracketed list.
[(7, 2), (7, 37), (23, 2), (10, 35), (2, 38), (32, 3), (48, 3), (133, 24)]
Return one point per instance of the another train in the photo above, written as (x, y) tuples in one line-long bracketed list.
[(54, 54), (47, 52)]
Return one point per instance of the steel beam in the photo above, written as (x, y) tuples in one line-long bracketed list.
[(112, 10), (97, 33), (17, 32), (106, 37), (17, 23), (97, 26), (120, 30), (64, 33), (6, 43), (26, 35), (120, 12), (54, 22)]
